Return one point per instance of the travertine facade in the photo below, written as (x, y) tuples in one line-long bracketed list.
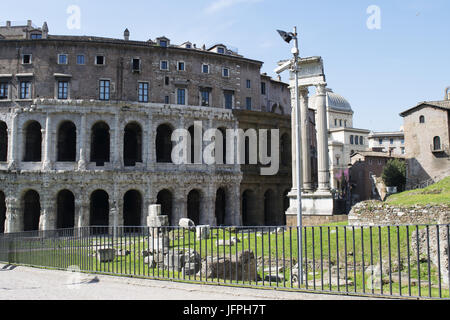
[(85, 127)]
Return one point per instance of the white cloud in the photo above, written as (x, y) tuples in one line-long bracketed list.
[(219, 5)]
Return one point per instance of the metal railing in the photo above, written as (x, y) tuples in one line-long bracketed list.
[(387, 261)]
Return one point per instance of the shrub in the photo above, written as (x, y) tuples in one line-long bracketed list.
[(394, 174)]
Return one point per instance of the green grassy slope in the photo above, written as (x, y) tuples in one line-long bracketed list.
[(438, 193)]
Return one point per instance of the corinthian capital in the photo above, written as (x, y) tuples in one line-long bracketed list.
[(321, 89)]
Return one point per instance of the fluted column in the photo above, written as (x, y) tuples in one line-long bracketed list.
[(294, 143), (306, 150), (82, 161), (47, 163), (322, 139)]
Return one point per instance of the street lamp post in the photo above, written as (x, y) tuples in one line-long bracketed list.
[(295, 69)]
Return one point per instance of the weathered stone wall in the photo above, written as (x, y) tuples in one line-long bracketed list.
[(376, 213)]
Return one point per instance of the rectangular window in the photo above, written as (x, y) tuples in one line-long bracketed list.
[(36, 36), (205, 68), (167, 100), (104, 90), (352, 139), (403, 141), (136, 65), (4, 90), (221, 50), (164, 65), (403, 150), (380, 141), (249, 84), (62, 59), (226, 72), (204, 96), (248, 103), (228, 100), (166, 81), (392, 141), (100, 60), (80, 59), (143, 91), (26, 59), (25, 90), (163, 43), (263, 88), (181, 96), (180, 66), (63, 90)]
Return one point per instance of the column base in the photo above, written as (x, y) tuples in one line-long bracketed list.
[(320, 203)]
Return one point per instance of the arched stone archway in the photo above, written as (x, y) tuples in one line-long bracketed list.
[(100, 144), (31, 211), (194, 206), (2, 212), (132, 210), (33, 142), (67, 142), (65, 210), (3, 142), (132, 145), (220, 208), (99, 208), (164, 144), (165, 199)]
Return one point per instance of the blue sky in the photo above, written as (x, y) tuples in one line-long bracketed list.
[(381, 72)]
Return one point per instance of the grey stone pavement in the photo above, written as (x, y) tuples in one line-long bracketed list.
[(23, 283)]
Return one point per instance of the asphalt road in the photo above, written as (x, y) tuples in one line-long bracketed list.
[(23, 283)]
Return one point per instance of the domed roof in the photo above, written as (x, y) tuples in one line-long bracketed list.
[(334, 102)]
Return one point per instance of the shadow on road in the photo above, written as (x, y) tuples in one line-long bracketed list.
[(8, 267)]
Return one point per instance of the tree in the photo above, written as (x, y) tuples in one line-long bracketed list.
[(394, 174)]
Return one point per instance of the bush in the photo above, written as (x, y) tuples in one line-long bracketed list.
[(394, 174)]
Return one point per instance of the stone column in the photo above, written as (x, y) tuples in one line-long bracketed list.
[(82, 142), (13, 142), (235, 205), (306, 150), (180, 206), (13, 221), (47, 163), (82, 212), (293, 142), (117, 159), (150, 146), (48, 217), (322, 139)]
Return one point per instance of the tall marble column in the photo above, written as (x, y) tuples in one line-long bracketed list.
[(294, 143), (47, 163), (48, 215), (322, 139), (306, 150)]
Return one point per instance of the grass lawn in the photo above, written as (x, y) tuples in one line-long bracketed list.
[(438, 193)]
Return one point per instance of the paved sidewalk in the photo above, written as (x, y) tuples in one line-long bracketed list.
[(23, 283)]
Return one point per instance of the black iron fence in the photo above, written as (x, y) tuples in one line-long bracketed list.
[(401, 261)]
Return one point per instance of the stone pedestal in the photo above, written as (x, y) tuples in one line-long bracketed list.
[(313, 204)]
